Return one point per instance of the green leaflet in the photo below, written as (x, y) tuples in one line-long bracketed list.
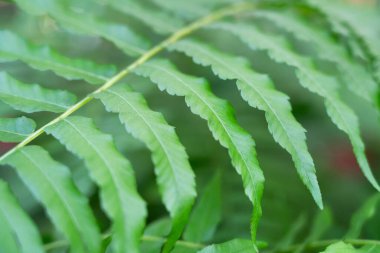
[(160, 22), (8, 243), (206, 214), (258, 91), (354, 74), (82, 21), (12, 47), (174, 175), (114, 175), (221, 122), (22, 227), (234, 246), (313, 80), (51, 184), (32, 97), (15, 129), (340, 247), (362, 215)]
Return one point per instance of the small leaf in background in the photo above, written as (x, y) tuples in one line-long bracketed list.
[(206, 214), (361, 216), (321, 223), (292, 232)]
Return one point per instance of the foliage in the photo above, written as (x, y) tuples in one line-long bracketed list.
[(81, 76)]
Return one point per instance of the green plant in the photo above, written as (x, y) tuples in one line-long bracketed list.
[(328, 45)]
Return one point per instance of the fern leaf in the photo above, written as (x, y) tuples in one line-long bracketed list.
[(313, 80), (160, 22), (234, 246), (12, 47), (206, 214), (51, 184), (221, 122), (340, 247), (362, 215), (122, 36), (22, 227), (175, 177), (15, 129), (354, 75), (258, 91), (32, 97), (113, 174)]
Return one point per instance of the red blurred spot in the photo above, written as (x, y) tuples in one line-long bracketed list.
[(344, 160), (4, 147)]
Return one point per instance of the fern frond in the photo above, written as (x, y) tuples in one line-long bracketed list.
[(174, 175), (15, 129), (32, 97), (121, 35), (258, 91), (160, 22), (233, 246), (21, 226), (221, 122), (313, 80), (356, 76), (114, 175), (12, 48), (51, 184)]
